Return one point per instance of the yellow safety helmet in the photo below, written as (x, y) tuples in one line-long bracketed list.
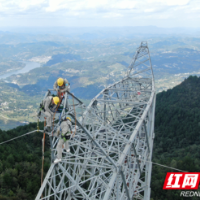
[(56, 100), (69, 118), (60, 81)]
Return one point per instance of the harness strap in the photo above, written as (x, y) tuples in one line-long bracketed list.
[(66, 136)]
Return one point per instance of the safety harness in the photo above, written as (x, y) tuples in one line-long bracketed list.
[(66, 136), (52, 107), (42, 107)]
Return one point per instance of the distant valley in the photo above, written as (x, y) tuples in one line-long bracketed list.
[(89, 65)]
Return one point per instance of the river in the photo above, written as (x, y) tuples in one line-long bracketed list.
[(10, 124), (29, 66)]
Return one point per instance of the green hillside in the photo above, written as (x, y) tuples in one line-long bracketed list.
[(20, 163), (177, 134)]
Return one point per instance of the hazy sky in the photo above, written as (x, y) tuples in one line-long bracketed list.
[(162, 13)]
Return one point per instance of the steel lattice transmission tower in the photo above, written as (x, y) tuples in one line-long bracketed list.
[(112, 149)]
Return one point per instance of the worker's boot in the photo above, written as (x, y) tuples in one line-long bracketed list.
[(57, 160), (68, 150)]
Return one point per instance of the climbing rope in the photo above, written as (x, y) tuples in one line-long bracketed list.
[(54, 117), (37, 125), (75, 117), (43, 143), (56, 111)]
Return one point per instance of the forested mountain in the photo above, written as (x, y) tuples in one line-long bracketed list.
[(176, 144), (20, 163), (177, 134)]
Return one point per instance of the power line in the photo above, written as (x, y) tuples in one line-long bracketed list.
[(163, 165), (138, 159), (20, 136)]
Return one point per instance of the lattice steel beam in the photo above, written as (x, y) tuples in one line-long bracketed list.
[(114, 141)]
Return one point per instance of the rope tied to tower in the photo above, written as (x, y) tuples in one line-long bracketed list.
[(75, 117)]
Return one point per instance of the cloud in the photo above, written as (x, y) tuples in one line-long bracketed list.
[(81, 5), (89, 4), (125, 4), (19, 5), (170, 2), (130, 12), (112, 15)]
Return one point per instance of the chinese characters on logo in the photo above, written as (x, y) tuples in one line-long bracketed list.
[(181, 181)]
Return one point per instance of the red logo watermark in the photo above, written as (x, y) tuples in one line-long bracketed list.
[(181, 181)]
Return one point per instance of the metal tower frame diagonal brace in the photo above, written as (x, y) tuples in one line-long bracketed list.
[(127, 147), (97, 144), (44, 182), (75, 97), (137, 159), (147, 192), (147, 138), (124, 181), (71, 179)]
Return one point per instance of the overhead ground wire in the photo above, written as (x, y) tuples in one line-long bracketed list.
[(84, 158), (167, 167), (20, 136), (163, 165)]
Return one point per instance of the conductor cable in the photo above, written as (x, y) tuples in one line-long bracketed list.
[(20, 136), (163, 165)]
